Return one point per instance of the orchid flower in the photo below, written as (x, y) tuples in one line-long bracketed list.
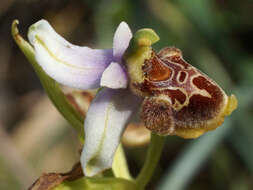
[(175, 97), (86, 68)]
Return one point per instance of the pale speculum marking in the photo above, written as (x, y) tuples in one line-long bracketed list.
[(172, 79)]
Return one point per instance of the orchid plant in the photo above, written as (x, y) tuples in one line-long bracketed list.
[(174, 98)]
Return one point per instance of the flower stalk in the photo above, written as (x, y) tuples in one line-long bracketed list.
[(153, 155)]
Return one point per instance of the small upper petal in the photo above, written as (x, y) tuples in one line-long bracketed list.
[(114, 76), (105, 121), (121, 40), (68, 64)]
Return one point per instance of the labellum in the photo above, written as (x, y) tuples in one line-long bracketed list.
[(179, 99)]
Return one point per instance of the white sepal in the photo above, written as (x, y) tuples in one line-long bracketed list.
[(68, 64), (106, 119)]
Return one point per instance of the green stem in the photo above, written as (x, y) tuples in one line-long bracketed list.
[(153, 156)]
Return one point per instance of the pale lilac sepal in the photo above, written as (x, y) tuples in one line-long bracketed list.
[(68, 64), (121, 40), (106, 119)]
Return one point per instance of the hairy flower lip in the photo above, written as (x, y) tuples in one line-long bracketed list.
[(171, 107)]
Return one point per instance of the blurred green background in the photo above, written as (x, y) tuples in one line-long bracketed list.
[(215, 36)]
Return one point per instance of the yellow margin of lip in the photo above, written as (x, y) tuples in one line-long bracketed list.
[(195, 133)]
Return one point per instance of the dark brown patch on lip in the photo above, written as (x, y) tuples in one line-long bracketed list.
[(155, 70), (173, 94), (203, 83), (182, 76), (201, 108)]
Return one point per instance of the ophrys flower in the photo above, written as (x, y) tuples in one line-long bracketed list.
[(178, 99)]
